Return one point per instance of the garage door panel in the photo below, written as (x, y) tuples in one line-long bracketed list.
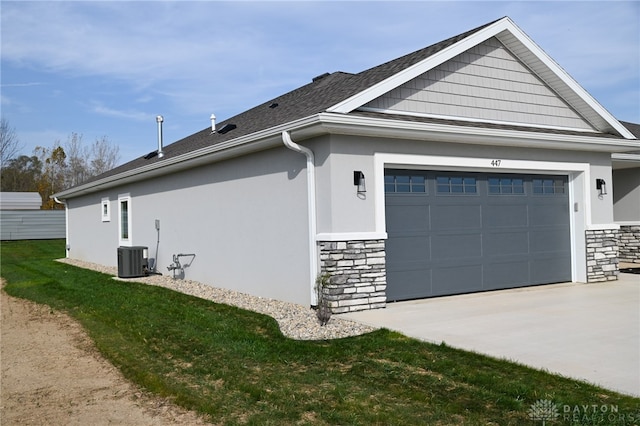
[(456, 246), (549, 214), (550, 269), (445, 217), (550, 240), (408, 218), (506, 243), (457, 279), (507, 274), (470, 232), (505, 216), (408, 249), (416, 284)]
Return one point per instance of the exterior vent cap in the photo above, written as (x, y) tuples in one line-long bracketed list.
[(226, 128)]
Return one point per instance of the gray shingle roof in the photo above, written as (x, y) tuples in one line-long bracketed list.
[(633, 128), (310, 99)]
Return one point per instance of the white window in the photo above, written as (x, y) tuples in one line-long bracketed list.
[(124, 215), (105, 210)]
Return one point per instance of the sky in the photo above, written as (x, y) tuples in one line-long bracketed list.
[(109, 68)]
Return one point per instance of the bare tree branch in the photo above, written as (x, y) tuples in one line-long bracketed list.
[(9, 143)]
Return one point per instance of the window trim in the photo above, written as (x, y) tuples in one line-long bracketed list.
[(127, 241), (411, 186), (501, 186), (464, 186), (552, 190), (105, 209)]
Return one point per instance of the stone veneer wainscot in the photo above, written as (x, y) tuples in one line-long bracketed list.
[(602, 255), (357, 275), (629, 243)]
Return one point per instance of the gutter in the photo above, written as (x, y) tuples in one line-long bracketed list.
[(311, 205), (264, 139), (346, 124)]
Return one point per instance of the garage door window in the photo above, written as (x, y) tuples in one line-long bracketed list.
[(548, 186), (498, 186), (404, 183), (458, 185)]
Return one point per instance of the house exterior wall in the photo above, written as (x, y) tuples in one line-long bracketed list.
[(245, 219), (629, 243), (626, 195), (486, 83), (347, 212), (352, 218)]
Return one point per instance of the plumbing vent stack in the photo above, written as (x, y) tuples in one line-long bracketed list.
[(213, 123), (159, 120)]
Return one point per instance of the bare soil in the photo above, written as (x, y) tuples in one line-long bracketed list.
[(53, 375)]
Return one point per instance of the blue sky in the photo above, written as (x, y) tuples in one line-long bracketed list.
[(108, 68)]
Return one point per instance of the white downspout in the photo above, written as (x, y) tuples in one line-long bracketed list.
[(66, 225), (311, 205)]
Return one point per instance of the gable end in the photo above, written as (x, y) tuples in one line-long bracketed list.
[(485, 83)]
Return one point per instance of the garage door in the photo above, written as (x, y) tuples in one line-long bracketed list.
[(452, 233)]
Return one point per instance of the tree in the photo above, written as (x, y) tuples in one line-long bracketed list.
[(54, 169), (21, 174), (77, 155), (52, 178), (104, 156), (9, 142), (85, 162)]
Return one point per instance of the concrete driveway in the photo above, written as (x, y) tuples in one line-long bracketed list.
[(585, 331)]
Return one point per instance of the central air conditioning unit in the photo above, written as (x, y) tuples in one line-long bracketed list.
[(133, 261)]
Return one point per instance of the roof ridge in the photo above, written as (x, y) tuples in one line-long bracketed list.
[(433, 48)]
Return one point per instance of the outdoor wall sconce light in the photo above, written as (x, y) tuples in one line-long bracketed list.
[(358, 180), (601, 186)]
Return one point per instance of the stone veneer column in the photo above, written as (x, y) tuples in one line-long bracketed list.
[(602, 255), (629, 243), (357, 275)]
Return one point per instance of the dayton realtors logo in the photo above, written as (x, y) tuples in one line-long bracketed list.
[(544, 410), (547, 411)]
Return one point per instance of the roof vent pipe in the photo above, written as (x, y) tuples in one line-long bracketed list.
[(213, 123), (159, 120)]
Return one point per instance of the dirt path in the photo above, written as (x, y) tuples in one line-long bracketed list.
[(53, 375)]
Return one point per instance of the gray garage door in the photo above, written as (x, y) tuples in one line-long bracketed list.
[(452, 233)]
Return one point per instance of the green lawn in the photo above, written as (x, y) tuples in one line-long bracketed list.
[(236, 366)]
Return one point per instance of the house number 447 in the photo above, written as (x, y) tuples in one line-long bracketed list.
[(496, 163)]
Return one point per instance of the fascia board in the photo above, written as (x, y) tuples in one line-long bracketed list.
[(264, 139), (631, 157), (377, 127)]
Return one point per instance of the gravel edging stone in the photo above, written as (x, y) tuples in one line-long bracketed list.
[(295, 321)]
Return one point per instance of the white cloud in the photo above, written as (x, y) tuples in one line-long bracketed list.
[(128, 114), (186, 60)]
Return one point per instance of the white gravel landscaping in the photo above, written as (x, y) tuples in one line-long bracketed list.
[(295, 321)]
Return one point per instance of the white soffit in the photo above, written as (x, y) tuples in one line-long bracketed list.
[(524, 49)]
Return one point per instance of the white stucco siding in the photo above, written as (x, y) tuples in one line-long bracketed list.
[(245, 219), (626, 195), (91, 239), (341, 210), (346, 211), (485, 83)]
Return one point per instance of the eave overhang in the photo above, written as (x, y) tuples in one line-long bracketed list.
[(344, 124)]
